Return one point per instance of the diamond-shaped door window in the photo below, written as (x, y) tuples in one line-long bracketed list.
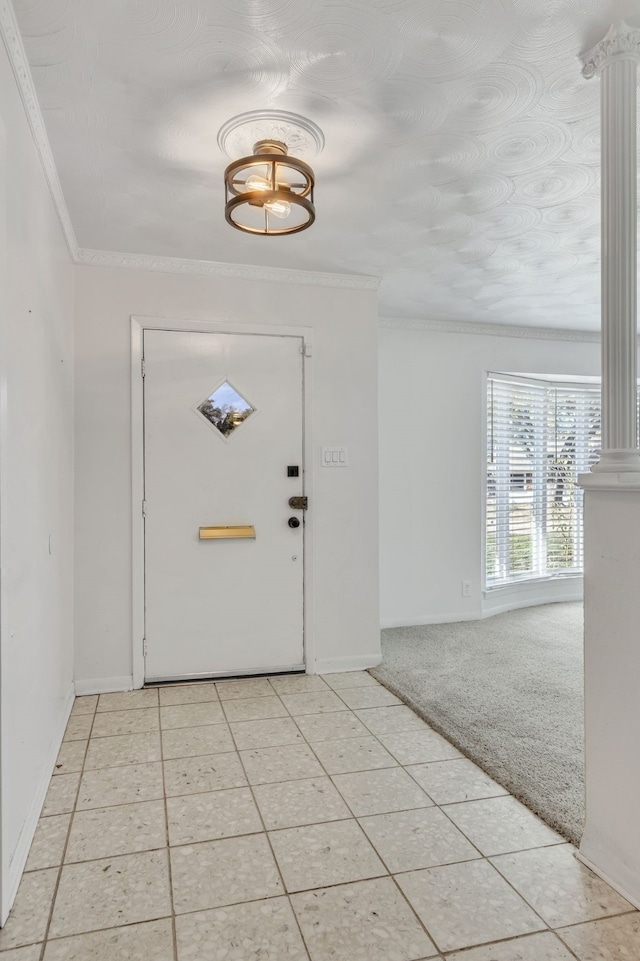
[(226, 409)]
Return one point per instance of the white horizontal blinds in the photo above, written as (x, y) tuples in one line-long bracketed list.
[(491, 559), (540, 437), (573, 445), (517, 426)]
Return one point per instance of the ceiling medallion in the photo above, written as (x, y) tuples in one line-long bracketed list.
[(270, 192)]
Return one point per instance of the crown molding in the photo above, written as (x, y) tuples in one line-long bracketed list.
[(10, 33), (15, 49), (489, 330), (210, 268)]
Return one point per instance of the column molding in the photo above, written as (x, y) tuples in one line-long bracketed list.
[(615, 61), (622, 42), (610, 845)]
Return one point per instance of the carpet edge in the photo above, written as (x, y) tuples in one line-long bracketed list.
[(562, 829)]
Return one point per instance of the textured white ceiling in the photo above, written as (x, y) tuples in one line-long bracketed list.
[(462, 143)]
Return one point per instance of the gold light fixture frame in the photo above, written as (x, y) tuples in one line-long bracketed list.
[(274, 155)]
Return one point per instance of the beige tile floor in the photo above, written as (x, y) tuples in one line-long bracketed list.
[(293, 819)]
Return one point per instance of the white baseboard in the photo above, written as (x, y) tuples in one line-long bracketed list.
[(104, 685), (21, 853), (502, 607), (500, 603), (611, 869), (428, 619), (355, 662)]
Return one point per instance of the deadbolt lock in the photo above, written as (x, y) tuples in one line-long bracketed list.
[(299, 503)]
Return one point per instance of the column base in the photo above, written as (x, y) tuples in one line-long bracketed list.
[(616, 470), (614, 461), (622, 481)]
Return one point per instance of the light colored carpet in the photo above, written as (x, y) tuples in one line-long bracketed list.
[(508, 692)]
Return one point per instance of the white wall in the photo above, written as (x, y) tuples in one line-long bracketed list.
[(611, 840), (36, 439), (343, 513), (432, 457)]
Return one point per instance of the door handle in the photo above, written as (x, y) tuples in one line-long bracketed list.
[(299, 503), (293, 522)]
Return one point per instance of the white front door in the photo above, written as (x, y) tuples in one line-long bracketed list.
[(223, 428)]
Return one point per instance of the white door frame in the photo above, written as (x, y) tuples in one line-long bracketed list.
[(8, 884), (138, 325)]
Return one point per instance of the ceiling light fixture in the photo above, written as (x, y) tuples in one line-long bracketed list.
[(269, 193)]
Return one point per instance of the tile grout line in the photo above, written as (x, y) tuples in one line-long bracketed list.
[(565, 946), (369, 734), (396, 764), (45, 937), (519, 937), (115, 767), (220, 701), (88, 861), (499, 941), (355, 818), (549, 927), (174, 932), (403, 896), (404, 767), (150, 800), (373, 847), (439, 807), (268, 840), (535, 847), (119, 804), (451, 804), (556, 931), (607, 917)]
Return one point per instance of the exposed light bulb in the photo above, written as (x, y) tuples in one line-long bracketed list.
[(254, 182), (279, 208)]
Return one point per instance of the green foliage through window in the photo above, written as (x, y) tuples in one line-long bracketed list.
[(226, 409)]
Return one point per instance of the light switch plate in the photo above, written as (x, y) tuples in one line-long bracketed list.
[(335, 457)]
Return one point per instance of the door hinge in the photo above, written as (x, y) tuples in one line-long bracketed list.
[(143, 368), (305, 349), (144, 646), (144, 508)]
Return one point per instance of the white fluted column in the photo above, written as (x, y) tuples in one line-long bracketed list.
[(610, 844), (615, 61)]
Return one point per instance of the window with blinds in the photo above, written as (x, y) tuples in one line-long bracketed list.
[(540, 436)]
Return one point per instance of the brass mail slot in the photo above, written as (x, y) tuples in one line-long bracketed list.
[(218, 533)]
